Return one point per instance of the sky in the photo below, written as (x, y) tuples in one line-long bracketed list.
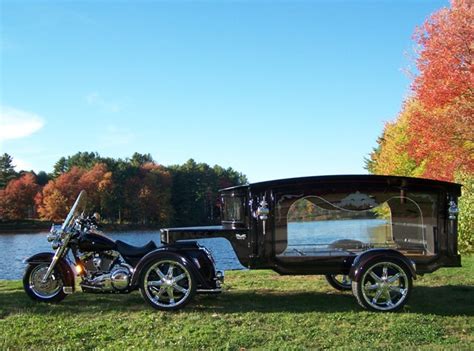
[(273, 89)]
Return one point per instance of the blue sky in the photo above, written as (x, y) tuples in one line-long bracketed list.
[(272, 89)]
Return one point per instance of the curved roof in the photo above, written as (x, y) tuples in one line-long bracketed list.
[(364, 178)]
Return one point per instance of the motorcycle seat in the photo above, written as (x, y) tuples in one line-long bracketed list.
[(134, 251)]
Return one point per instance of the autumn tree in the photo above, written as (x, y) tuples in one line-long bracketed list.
[(134, 190), (391, 155), (445, 52), (433, 136), (17, 199), (58, 195), (56, 198), (442, 134)]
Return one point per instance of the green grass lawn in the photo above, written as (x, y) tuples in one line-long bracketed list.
[(258, 310)]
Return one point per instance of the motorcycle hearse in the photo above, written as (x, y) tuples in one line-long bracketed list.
[(369, 234)]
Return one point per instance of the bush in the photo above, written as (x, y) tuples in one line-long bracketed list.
[(466, 213)]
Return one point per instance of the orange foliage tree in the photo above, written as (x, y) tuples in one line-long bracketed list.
[(441, 135), (58, 195), (17, 199), (433, 136), (445, 53)]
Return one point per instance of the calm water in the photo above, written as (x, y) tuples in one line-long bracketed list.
[(14, 248), (325, 232)]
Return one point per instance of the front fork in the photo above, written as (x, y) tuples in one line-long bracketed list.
[(57, 255)]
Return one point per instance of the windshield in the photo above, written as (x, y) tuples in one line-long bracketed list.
[(76, 210)]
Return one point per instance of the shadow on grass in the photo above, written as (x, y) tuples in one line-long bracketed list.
[(453, 300)]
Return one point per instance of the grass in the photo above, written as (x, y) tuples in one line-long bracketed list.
[(258, 310)]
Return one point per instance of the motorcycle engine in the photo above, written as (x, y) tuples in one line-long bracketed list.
[(98, 262), (105, 274)]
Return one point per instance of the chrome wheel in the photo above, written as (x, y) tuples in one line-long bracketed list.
[(339, 281), (385, 286), (167, 284), (48, 291)]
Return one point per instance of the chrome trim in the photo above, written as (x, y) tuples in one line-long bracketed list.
[(218, 290), (68, 290), (413, 264), (453, 210), (241, 236)]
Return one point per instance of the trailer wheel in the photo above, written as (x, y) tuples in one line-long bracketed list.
[(340, 282), (167, 284), (384, 286)]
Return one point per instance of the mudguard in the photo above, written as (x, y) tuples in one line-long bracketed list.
[(174, 253), (360, 262), (63, 266)]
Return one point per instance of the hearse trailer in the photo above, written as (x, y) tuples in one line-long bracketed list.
[(366, 233)]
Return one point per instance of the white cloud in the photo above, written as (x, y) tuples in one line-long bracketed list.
[(16, 123), (95, 99)]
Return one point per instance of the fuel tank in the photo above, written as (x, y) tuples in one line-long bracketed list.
[(96, 242)]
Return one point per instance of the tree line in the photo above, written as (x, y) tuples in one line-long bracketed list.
[(132, 190), (433, 136)]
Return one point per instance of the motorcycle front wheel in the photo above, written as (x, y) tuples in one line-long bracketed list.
[(48, 291)]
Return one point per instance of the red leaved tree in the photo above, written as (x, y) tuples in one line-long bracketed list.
[(57, 197), (445, 53), (17, 199), (441, 134)]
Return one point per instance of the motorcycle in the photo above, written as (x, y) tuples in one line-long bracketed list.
[(168, 276)]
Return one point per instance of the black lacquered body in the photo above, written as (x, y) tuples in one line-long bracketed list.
[(95, 242)]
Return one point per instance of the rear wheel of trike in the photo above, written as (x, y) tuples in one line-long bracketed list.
[(384, 286), (340, 282), (50, 290), (167, 284)]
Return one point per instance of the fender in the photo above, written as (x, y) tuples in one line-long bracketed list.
[(361, 261), (168, 252), (63, 266)]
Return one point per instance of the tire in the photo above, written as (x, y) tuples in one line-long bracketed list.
[(167, 284), (339, 281), (51, 291), (385, 286)]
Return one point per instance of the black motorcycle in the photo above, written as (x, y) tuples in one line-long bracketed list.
[(167, 276)]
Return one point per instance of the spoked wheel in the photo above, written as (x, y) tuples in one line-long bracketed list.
[(339, 281), (49, 291), (167, 285), (385, 286)]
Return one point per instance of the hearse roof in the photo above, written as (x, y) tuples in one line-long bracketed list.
[(364, 178)]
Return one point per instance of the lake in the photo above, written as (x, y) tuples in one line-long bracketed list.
[(14, 248)]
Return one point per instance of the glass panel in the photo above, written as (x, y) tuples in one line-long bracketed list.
[(233, 209), (344, 223)]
